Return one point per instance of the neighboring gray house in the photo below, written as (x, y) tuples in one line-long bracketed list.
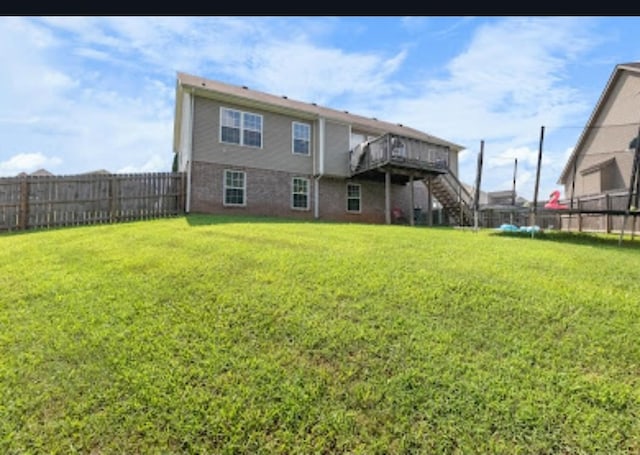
[(597, 175), (250, 152), (602, 158)]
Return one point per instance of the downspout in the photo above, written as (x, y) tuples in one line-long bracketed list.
[(190, 150), (318, 164)]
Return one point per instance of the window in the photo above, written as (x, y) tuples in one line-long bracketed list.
[(353, 197), (234, 187), (301, 138), (300, 193), (242, 128)]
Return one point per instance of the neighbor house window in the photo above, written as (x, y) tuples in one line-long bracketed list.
[(301, 138), (235, 186), (353, 197), (242, 128), (300, 193)]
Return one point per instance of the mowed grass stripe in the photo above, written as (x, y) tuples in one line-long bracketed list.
[(235, 335)]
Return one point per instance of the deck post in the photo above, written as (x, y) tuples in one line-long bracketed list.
[(429, 203), (607, 217), (412, 221), (387, 196)]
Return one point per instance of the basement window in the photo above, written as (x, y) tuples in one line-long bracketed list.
[(353, 197), (235, 188), (300, 193)]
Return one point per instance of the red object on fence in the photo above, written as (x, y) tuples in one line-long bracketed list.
[(553, 201)]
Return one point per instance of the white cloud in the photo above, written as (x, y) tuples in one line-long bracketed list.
[(156, 163), (321, 74), (524, 155), (27, 162), (120, 72), (509, 81), (492, 92)]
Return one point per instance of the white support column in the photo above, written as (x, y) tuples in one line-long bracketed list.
[(319, 163), (186, 142)]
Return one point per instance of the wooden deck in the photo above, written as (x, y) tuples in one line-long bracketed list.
[(403, 158)]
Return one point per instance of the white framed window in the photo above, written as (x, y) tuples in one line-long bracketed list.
[(354, 195), (241, 128), (301, 138), (300, 193), (235, 188)]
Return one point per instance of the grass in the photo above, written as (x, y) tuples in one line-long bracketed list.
[(248, 336)]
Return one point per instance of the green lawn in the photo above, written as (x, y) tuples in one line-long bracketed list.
[(216, 335)]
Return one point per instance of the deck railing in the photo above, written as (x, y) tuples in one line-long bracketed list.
[(454, 186), (398, 150)]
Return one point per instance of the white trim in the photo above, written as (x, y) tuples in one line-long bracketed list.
[(307, 192), (224, 188), (359, 197), (186, 142)]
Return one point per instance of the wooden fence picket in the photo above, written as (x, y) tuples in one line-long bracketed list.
[(30, 202)]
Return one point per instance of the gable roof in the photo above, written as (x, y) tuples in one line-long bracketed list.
[(244, 95), (604, 97)]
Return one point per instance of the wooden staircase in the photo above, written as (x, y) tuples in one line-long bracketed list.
[(456, 201)]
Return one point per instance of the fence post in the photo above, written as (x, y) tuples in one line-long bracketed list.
[(114, 215), (23, 214), (181, 194), (579, 216)]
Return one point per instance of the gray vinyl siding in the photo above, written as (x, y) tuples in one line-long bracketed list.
[(617, 121), (613, 177), (275, 154), (453, 162), (590, 183), (336, 159)]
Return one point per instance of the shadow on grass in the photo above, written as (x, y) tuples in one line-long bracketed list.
[(578, 238), (79, 225), (201, 219)]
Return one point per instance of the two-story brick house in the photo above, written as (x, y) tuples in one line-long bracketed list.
[(246, 151)]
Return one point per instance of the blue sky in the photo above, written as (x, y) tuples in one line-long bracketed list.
[(86, 93)]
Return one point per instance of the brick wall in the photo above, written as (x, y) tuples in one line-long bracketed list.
[(268, 193)]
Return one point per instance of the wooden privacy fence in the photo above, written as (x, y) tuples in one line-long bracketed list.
[(28, 202), (600, 213)]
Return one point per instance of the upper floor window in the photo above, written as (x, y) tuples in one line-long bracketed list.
[(242, 128), (301, 138)]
